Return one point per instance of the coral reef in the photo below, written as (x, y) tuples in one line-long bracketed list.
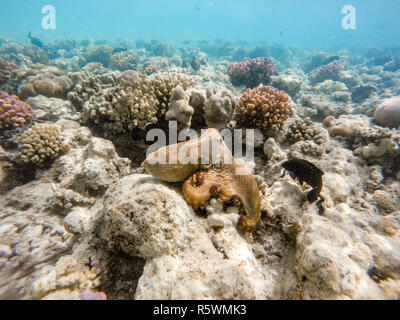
[(5, 70), (179, 109), (325, 99), (137, 101), (14, 113), (387, 113), (89, 84), (91, 225), (252, 72), (330, 71), (287, 81), (362, 92), (126, 60), (301, 130), (375, 144), (208, 105), (101, 54), (52, 109), (152, 65), (47, 81), (317, 60), (41, 143), (264, 108)]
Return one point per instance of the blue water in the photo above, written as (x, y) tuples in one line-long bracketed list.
[(312, 23)]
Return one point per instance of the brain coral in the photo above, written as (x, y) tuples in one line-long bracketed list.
[(388, 113), (263, 108), (251, 72), (13, 112), (40, 143)]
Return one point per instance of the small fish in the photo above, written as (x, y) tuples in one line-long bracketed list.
[(306, 172), (35, 41)]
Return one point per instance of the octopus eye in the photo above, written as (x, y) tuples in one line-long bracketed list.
[(198, 178), (214, 190)]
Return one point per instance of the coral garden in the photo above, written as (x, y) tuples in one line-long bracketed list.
[(87, 212)]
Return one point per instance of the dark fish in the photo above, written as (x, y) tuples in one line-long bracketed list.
[(306, 172), (35, 41), (281, 33)]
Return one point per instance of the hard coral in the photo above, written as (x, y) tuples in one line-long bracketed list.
[(88, 84), (251, 72), (125, 60), (179, 108), (263, 108), (101, 53), (5, 70), (13, 112), (388, 113), (45, 80), (303, 130), (137, 101), (203, 105), (41, 143), (330, 71)]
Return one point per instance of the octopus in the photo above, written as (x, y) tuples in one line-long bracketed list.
[(208, 170), (307, 172)]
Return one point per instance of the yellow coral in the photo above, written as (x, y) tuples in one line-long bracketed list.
[(40, 143)]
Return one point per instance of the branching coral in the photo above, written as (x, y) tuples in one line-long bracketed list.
[(317, 60), (137, 101), (263, 108), (152, 65), (100, 54), (209, 170), (125, 60), (251, 72), (88, 86), (303, 130), (13, 112), (40, 143), (330, 71)]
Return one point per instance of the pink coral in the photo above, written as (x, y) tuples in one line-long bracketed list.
[(252, 72), (14, 113), (89, 295)]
